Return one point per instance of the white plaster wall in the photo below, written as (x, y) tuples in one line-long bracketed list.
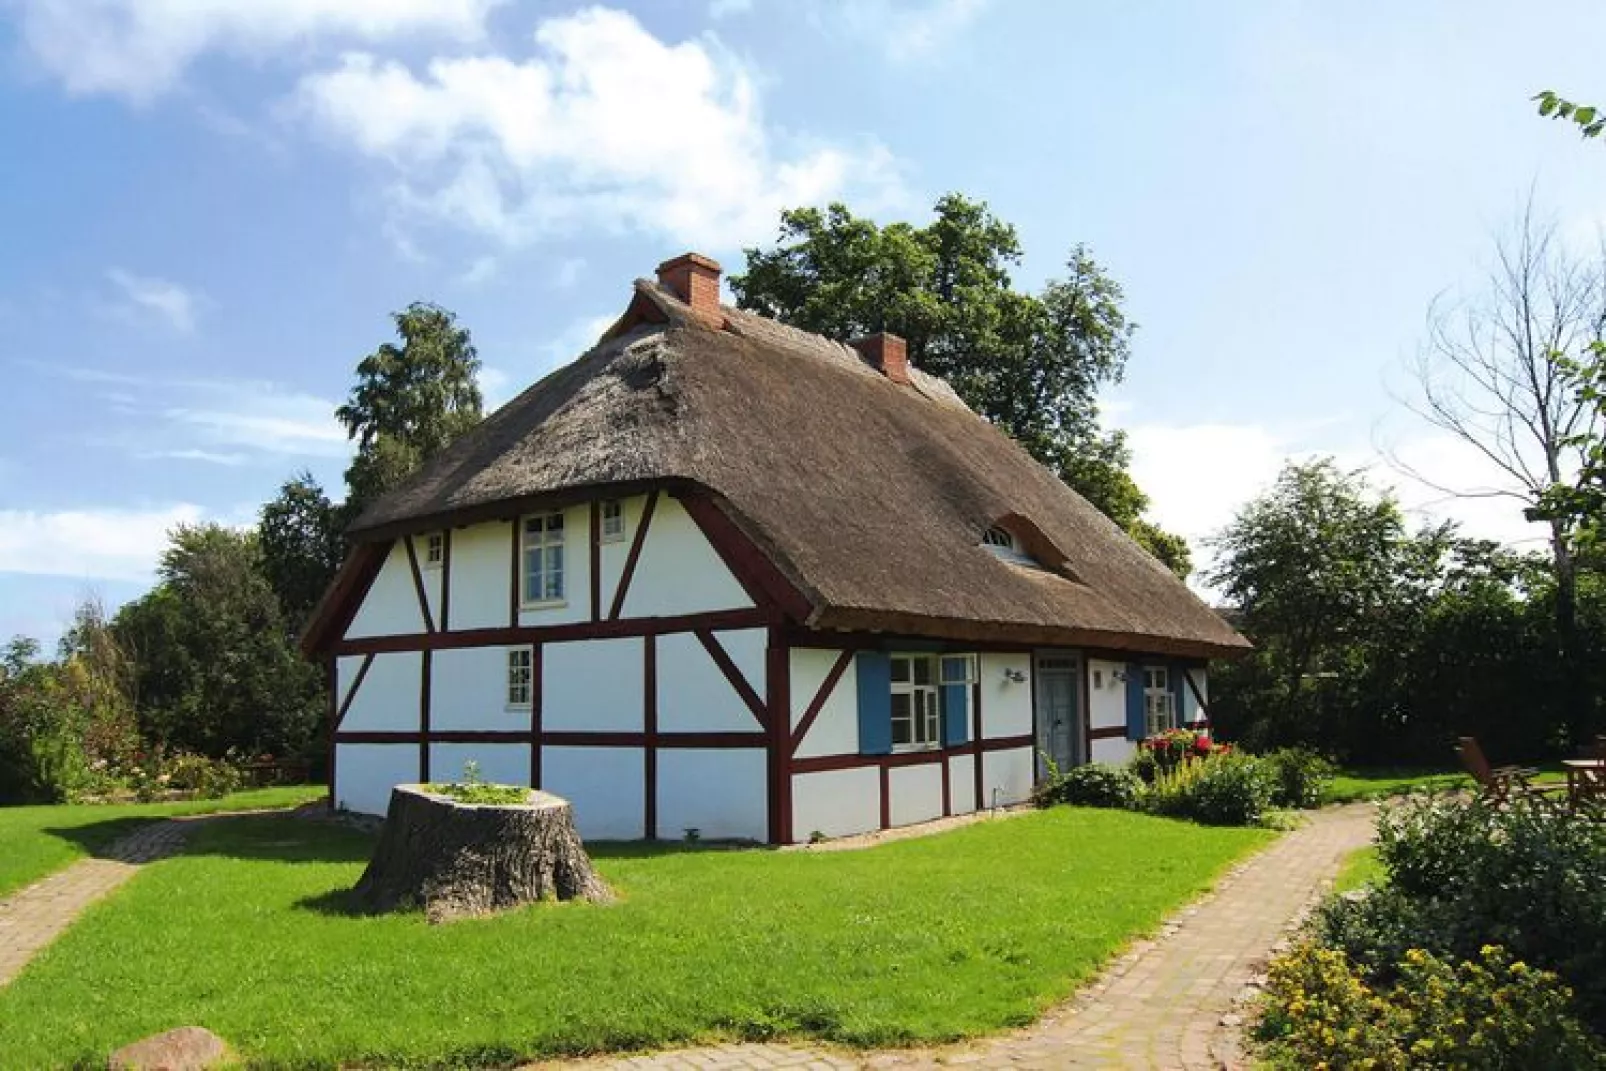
[(468, 690), (480, 576), (576, 605), (1007, 776), (1006, 708), (615, 553), (679, 572), (1114, 752), (430, 575), (1106, 697), (836, 730), (594, 685), (365, 774), (962, 784), (837, 803), (694, 696), (605, 785), (1190, 704), (504, 764), (387, 698), (391, 606), (720, 792), (915, 793)]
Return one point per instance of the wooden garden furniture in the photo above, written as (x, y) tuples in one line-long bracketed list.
[(1586, 784), (1502, 784)]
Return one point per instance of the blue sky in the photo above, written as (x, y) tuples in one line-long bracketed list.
[(209, 207)]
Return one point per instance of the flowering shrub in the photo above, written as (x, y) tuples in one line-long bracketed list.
[(1164, 752), (1487, 1012), (1299, 776), (1220, 789)]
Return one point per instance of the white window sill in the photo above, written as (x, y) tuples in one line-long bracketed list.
[(612, 538), (517, 708), (544, 604), (904, 749)]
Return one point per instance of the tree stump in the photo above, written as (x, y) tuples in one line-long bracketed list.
[(461, 859)]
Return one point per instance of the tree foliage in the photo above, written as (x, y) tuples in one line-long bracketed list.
[(1030, 363), (410, 400), (299, 532), (216, 667), (1383, 644)]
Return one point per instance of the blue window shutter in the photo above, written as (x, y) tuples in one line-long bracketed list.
[(955, 714), (1134, 701), (874, 672), (1179, 692)]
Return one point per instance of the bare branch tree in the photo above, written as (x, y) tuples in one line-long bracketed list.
[(1490, 376)]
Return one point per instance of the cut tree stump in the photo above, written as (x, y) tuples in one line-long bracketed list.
[(462, 859)]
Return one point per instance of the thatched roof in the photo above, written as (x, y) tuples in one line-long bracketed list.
[(869, 496)]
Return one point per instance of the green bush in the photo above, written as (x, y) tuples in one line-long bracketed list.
[(202, 776), (1223, 789), (1095, 785), (1462, 875), (1299, 777), (1487, 1012)]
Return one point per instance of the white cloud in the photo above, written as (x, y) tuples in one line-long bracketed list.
[(482, 270), (140, 49), (220, 421), (161, 297), (107, 544), (1198, 476), (904, 31), (720, 9), (606, 127), (569, 272)]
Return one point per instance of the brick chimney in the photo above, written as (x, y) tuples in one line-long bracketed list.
[(694, 279), (887, 353)]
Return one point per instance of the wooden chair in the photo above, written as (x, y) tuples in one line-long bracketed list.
[(1503, 784)]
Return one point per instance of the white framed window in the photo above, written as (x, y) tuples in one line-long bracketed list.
[(1159, 705), (543, 560), (1003, 544), (916, 719), (613, 520), (957, 669), (434, 549), (520, 661)]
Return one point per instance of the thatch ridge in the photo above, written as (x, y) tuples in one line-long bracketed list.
[(872, 497)]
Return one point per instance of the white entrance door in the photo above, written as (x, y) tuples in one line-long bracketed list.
[(1059, 715)]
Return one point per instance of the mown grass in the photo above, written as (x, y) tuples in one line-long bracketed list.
[(1373, 783), (1361, 867), (953, 935), (36, 841)]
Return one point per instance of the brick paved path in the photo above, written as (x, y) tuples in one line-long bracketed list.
[(34, 916), (1167, 1003)]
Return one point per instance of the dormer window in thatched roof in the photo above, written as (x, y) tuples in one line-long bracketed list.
[(1001, 541)]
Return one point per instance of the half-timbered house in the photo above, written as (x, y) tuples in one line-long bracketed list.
[(724, 575)]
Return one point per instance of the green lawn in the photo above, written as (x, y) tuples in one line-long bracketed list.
[(963, 933), (1371, 783), (34, 841), (1360, 868)]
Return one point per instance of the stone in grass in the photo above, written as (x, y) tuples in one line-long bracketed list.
[(189, 1048), (459, 860)]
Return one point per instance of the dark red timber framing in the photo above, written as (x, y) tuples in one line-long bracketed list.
[(778, 700), (817, 704), (331, 685), (632, 557), (824, 763), (769, 704), (764, 583), (333, 614), (1085, 690), (418, 585)]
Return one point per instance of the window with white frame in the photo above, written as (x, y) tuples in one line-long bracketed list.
[(435, 549), (520, 661), (957, 669), (916, 721), (1003, 544), (543, 559), (1159, 705), (613, 521)]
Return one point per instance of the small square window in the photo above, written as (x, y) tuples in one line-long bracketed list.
[(435, 548), (613, 520), (520, 661)]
